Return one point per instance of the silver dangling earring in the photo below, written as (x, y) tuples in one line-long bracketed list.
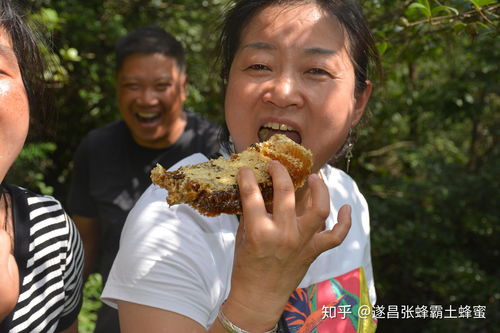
[(349, 154)]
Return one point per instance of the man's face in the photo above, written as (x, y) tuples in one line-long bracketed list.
[(151, 92)]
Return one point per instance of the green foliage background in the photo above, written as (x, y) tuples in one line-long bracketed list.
[(427, 156)]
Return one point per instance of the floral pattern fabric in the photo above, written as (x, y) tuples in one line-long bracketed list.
[(339, 304)]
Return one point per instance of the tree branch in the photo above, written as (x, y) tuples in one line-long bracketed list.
[(465, 15)]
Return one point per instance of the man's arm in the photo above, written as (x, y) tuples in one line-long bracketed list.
[(89, 232)]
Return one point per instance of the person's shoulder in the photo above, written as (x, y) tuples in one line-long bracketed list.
[(331, 172), (34, 204), (100, 141), (157, 193), (107, 133), (202, 133), (191, 159), (34, 198), (340, 182), (20, 191), (151, 208), (200, 122)]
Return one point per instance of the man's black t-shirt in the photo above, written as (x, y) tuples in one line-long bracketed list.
[(111, 171)]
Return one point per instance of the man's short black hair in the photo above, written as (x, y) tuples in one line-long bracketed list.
[(149, 40)]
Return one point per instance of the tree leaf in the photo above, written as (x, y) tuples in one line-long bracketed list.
[(481, 3), (459, 26), (382, 47), (426, 10), (447, 9)]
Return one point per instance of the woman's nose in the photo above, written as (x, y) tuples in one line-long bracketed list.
[(284, 91)]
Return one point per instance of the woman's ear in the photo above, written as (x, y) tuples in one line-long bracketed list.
[(360, 103)]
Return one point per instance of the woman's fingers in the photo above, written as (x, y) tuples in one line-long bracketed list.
[(251, 197), (318, 208), (313, 221), (329, 239), (283, 193), (262, 227)]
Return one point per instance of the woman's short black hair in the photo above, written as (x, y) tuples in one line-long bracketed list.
[(361, 45), (362, 49)]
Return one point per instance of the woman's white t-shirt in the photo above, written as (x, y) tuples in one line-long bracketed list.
[(175, 259)]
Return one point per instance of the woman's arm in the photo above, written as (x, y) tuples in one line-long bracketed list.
[(138, 318)]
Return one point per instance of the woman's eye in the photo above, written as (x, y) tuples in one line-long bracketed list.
[(318, 71), (258, 67)]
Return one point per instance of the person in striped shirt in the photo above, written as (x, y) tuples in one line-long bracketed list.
[(41, 256)]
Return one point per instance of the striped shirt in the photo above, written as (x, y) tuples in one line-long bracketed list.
[(49, 255)]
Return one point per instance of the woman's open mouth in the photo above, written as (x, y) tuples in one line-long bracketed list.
[(269, 129)]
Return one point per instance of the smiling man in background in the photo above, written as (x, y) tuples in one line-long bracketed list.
[(113, 163)]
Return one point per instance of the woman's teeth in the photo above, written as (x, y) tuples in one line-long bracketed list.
[(268, 129), (278, 126)]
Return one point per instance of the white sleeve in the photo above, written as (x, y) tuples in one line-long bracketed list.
[(357, 244), (354, 252), (164, 260)]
